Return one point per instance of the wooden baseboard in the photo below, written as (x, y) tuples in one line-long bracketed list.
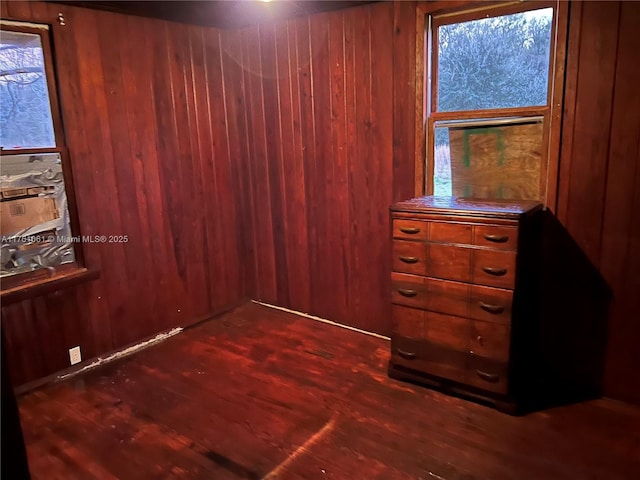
[(119, 353)]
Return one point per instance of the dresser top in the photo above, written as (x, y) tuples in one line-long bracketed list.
[(468, 206)]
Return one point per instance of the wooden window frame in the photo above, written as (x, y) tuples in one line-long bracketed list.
[(44, 280), (434, 14)]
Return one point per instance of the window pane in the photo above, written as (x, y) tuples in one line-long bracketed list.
[(25, 112), (442, 162), (497, 62), (35, 219), (495, 158)]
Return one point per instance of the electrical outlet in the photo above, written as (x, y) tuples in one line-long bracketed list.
[(74, 355)]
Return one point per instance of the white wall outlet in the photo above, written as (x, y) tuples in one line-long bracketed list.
[(74, 355)]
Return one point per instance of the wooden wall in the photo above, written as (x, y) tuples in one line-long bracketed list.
[(328, 153), (151, 117), (599, 187)]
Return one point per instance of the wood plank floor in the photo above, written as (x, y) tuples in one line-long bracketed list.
[(259, 393)]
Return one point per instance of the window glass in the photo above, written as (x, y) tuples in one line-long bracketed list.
[(25, 111), (495, 62), (35, 219)]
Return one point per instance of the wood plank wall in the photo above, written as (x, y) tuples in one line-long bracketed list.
[(153, 123), (330, 113), (599, 187)]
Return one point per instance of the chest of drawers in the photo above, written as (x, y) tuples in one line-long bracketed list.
[(464, 286)]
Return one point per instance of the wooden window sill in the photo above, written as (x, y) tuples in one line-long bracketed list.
[(43, 285)]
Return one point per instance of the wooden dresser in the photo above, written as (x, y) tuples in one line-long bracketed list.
[(464, 288)]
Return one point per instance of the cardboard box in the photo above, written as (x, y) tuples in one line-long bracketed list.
[(14, 192), (17, 215)]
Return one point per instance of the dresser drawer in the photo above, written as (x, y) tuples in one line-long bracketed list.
[(498, 237), (429, 358), (408, 352), (490, 304), (409, 290), (449, 262), (488, 374), (410, 257), (448, 297), (444, 232), (410, 229), (494, 268), (408, 322), (444, 362), (490, 340), (447, 331)]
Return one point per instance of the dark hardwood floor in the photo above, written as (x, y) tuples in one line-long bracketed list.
[(258, 393)]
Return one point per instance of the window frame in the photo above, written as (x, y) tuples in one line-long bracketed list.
[(429, 17), (40, 281), (56, 117)]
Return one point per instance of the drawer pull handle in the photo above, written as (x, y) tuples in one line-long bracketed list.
[(487, 307), (498, 272), (496, 238), (409, 259), (489, 377), (407, 355), (407, 293), (410, 230)]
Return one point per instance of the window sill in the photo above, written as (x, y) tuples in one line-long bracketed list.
[(42, 286)]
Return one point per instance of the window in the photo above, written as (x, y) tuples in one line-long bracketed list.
[(492, 99), (35, 200)]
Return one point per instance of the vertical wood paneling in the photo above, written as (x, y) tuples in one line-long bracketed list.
[(381, 38), (587, 178), (404, 100), (304, 61), (120, 178), (322, 160), (146, 108), (193, 220), (234, 102), (259, 166), (202, 167), (211, 104), (273, 146), (351, 87), (569, 108), (330, 281), (91, 92), (598, 196), (292, 168), (620, 260), (167, 147), (134, 67), (360, 178), (93, 307), (337, 217)]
